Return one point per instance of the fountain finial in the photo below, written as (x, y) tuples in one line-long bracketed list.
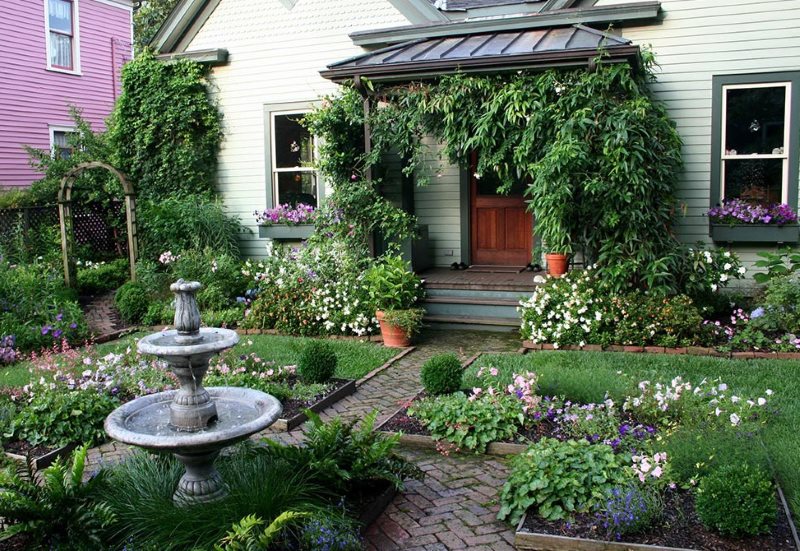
[(187, 314)]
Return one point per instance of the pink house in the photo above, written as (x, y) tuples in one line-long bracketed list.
[(53, 54)]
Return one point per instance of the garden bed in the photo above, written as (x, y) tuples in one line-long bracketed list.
[(672, 351), (414, 435), (680, 530), (41, 456), (293, 410), (369, 506)]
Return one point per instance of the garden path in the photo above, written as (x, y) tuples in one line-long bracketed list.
[(455, 506), (102, 317)]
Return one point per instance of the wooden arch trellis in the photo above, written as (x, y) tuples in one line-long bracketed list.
[(65, 217)]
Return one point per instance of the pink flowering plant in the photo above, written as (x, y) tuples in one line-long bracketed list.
[(737, 211), (286, 214)]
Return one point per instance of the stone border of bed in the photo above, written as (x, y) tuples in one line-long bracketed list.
[(679, 351)]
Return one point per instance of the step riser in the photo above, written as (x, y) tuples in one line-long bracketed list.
[(438, 326), (471, 310), (466, 293)]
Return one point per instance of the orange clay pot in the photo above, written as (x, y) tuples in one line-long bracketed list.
[(556, 264), (393, 337)]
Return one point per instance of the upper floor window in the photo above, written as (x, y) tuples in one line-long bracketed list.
[(62, 34), (294, 179), (755, 142)]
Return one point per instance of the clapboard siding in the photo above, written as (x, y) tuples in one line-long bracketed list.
[(33, 98), (438, 205), (696, 40), (275, 57)]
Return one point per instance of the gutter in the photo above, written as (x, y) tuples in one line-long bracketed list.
[(635, 11)]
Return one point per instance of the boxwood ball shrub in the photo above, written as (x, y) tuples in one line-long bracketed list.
[(317, 362), (737, 500), (441, 374), (132, 301)]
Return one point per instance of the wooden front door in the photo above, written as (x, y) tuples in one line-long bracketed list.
[(501, 227)]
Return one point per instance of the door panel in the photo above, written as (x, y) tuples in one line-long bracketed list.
[(501, 227)]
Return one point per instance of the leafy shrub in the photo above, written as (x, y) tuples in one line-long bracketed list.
[(392, 284), (99, 277), (737, 500), (709, 270), (470, 423), (558, 479), (780, 263), (228, 317), (37, 308), (58, 416), (132, 301), (317, 362), (344, 458), (629, 510), (441, 374), (162, 312), (55, 507)]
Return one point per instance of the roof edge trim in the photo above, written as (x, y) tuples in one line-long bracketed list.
[(635, 11)]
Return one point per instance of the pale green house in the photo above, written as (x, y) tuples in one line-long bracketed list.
[(729, 74)]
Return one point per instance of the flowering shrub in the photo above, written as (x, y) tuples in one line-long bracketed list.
[(318, 289), (286, 214), (736, 211), (577, 309), (628, 510), (711, 270), (37, 308)]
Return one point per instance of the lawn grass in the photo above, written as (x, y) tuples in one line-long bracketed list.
[(587, 376), (355, 358)]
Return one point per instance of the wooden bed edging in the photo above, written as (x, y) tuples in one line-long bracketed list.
[(292, 423), (44, 461), (683, 351)]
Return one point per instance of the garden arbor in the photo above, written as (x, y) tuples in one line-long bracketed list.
[(65, 215)]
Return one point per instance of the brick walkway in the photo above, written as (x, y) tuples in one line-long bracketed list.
[(455, 506), (102, 315)]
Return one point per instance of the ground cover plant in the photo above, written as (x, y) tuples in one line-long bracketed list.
[(700, 433)]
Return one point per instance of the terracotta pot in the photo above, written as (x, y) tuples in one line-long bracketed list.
[(393, 337), (556, 264)]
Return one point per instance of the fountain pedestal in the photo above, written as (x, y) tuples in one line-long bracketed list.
[(193, 423)]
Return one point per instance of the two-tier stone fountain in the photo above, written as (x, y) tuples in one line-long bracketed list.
[(193, 423)]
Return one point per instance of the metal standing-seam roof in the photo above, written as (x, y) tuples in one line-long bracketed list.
[(575, 45)]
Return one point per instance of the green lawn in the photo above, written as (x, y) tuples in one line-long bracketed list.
[(587, 376), (355, 358)]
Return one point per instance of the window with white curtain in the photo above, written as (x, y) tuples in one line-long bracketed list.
[(60, 142), (62, 34)]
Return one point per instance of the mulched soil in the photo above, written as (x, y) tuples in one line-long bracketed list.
[(680, 528), (24, 448), (17, 543), (292, 407)]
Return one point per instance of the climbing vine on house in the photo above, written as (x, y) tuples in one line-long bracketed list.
[(600, 155)]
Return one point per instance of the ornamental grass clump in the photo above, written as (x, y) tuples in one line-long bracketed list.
[(317, 362), (737, 500), (441, 374)]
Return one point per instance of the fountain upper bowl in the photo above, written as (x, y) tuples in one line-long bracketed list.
[(144, 422), (210, 341)]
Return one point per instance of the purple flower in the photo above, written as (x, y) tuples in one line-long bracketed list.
[(57, 333), (46, 329), (73, 325), (60, 316)]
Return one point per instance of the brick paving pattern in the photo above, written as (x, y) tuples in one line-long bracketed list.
[(455, 506), (102, 315)]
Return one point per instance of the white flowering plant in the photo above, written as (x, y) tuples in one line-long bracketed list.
[(711, 270), (317, 289)]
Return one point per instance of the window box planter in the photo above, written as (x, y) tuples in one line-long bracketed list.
[(755, 233), (284, 232)]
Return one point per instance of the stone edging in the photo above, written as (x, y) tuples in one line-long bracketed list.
[(683, 351)]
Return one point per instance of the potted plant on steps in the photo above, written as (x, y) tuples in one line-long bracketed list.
[(396, 291)]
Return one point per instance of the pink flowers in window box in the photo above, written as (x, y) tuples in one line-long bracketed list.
[(286, 214)]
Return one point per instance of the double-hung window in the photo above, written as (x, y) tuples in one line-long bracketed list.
[(62, 34), (755, 146), (60, 142), (294, 180)]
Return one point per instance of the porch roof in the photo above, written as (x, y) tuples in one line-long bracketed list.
[(567, 46)]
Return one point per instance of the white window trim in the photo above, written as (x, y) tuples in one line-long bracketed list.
[(275, 171), (76, 40), (56, 128), (787, 122)]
